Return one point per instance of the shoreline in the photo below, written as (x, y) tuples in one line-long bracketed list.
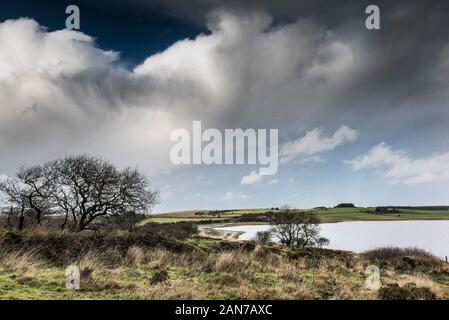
[(210, 231)]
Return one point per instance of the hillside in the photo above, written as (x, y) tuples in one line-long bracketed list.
[(122, 265), (255, 216)]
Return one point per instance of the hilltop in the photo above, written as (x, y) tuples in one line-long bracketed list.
[(326, 215)]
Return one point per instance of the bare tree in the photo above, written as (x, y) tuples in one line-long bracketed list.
[(89, 188), (29, 191), (14, 197), (37, 182), (297, 228), (82, 188)]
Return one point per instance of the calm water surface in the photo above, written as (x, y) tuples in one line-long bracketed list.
[(359, 236)]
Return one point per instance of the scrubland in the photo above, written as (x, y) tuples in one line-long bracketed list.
[(152, 265)]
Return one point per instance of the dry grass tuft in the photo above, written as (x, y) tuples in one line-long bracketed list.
[(88, 263), (233, 261), (135, 256), (23, 262), (420, 280), (158, 258)]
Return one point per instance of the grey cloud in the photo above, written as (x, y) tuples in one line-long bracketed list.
[(295, 65)]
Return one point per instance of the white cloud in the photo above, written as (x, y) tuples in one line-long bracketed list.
[(235, 196), (313, 143), (252, 178), (399, 167), (72, 96), (61, 94), (311, 159)]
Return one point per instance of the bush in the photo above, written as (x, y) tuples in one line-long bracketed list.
[(65, 248), (404, 259), (177, 230), (159, 276), (395, 254), (408, 292), (263, 237)]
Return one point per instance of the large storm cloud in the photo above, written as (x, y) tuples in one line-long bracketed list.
[(309, 68)]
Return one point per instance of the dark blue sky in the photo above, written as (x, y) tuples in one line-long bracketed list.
[(135, 31)]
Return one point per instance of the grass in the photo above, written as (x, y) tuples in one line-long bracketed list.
[(326, 216), (126, 267), (368, 214)]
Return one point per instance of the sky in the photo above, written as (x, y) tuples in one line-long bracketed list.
[(362, 115)]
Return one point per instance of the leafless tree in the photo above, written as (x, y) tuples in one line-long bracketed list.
[(296, 228), (16, 199), (37, 182), (82, 188), (29, 191), (89, 188)]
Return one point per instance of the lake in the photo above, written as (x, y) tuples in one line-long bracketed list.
[(359, 236)]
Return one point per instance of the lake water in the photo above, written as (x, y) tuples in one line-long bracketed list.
[(359, 236)]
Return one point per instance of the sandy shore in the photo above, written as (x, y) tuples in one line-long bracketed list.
[(209, 231)]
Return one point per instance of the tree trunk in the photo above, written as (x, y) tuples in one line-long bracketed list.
[(21, 221), (9, 217)]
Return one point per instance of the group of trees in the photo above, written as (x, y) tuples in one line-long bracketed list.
[(294, 228), (81, 189)]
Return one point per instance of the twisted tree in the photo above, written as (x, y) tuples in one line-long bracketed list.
[(82, 188)]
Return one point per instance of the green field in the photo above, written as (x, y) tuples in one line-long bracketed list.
[(326, 215)]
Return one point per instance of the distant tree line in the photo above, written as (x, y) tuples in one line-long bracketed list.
[(81, 189), (418, 207), (345, 205)]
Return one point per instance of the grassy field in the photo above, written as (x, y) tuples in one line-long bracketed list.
[(198, 268), (326, 215), (171, 261)]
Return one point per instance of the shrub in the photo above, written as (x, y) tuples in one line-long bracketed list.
[(263, 237), (395, 253), (404, 259), (177, 230), (408, 292), (159, 276)]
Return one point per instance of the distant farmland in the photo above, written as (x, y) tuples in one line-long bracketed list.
[(255, 216)]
